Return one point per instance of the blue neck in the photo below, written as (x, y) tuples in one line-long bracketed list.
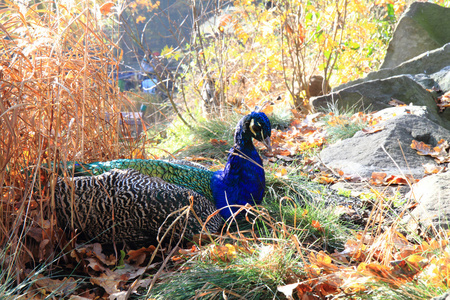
[(242, 181)]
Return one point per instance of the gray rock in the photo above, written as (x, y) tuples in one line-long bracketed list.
[(426, 63), (433, 195), (442, 78), (375, 95), (363, 153), (389, 113), (423, 27)]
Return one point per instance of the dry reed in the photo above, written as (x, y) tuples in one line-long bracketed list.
[(59, 102)]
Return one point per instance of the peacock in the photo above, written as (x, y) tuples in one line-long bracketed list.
[(136, 201)]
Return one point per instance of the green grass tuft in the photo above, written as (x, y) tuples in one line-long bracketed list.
[(248, 276)]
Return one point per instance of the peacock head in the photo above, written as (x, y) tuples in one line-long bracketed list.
[(254, 125)]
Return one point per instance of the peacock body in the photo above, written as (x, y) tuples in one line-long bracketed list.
[(135, 201)]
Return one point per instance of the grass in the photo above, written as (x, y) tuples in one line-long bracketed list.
[(246, 278), (342, 124), (206, 138), (180, 140)]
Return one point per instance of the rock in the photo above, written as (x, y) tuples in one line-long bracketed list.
[(375, 95), (433, 195), (427, 63), (442, 78), (445, 296), (357, 189), (363, 153), (389, 113), (423, 27)]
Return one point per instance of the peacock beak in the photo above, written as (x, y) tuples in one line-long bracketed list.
[(268, 144)]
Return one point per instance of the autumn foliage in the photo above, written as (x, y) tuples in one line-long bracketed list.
[(255, 53), (59, 102)]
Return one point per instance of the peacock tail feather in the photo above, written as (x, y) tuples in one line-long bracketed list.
[(127, 206), (182, 173)]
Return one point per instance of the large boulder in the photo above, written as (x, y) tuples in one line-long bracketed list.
[(433, 195), (435, 64), (388, 150), (423, 27), (375, 95)]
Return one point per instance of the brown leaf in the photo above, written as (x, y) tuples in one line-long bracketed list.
[(377, 178), (113, 281), (433, 169), (409, 267), (95, 264), (439, 152), (327, 288), (398, 179), (372, 129), (374, 269), (216, 142), (395, 102), (139, 256), (316, 225), (59, 287), (444, 101), (108, 281), (94, 250)]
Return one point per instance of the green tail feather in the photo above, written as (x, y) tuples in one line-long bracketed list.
[(183, 175)]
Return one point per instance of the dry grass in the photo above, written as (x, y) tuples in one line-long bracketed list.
[(59, 102)]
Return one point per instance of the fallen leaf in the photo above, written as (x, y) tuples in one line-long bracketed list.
[(324, 178), (216, 142), (432, 169), (439, 152), (316, 225), (372, 129), (61, 287), (395, 102), (401, 180), (327, 288), (443, 101), (303, 290), (139, 256), (224, 253)]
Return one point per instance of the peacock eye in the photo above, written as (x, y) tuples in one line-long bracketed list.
[(257, 128)]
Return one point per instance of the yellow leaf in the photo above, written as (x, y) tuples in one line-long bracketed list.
[(140, 19), (415, 258), (268, 109)]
